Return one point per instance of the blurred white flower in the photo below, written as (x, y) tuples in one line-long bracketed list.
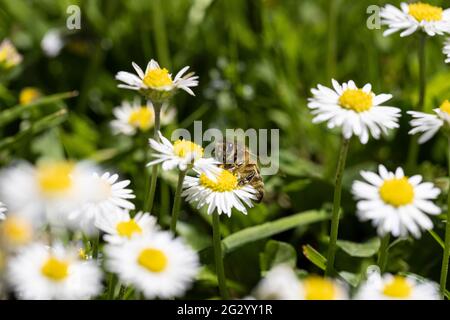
[(281, 283), (157, 265), (52, 43), (16, 231), (357, 111), (107, 195), (120, 227), (415, 16), (156, 83), (9, 57), (222, 194), (47, 192), (2, 211), (394, 203), (396, 287), (41, 272), (429, 124)]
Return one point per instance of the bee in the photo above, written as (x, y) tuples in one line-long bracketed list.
[(236, 158)]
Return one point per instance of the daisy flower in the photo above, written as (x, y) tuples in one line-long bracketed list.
[(281, 283), (131, 118), (396, 287), (183, 154), (358, 111), (157, 265), (415, 16), (107, 195), (2, 211), (16, 231), (222, 194), (120, 227), (40, 272), (429, 124), (9, 57), (157, 83), (446, 51), (51, 190), (395, 203)]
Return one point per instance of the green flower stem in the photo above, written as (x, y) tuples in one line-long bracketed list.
[(176, 201), (383, 252), (148, 206), (95, 245), (413, 150), (336, 207), (218, 257), (111, 285), (122, 291), (446, 255)]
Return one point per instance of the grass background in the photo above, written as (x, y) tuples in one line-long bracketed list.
[(257, 61)]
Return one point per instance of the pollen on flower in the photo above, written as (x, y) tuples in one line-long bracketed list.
[(16, 230), (226, 181), (142, 118), (157, 78), (445, 107), (128, 228), (397, 192), (425, 12), (398, 288), (182, 148), (153, 260), (356, 100), (317, 288), (55, 177), (55, 269)]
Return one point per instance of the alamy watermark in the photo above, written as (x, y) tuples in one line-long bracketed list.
[(237, 146)]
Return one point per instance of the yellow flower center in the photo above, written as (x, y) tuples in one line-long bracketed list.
[(55, 177), (153, 260), (28, 95), (182, 148), (356, 100), (397, 192), (398, 288), (157, 78), (445, 107), (425, 12), (55, 269), (128, 228), (317, 288), (142, 118), (16, 230), (226, 181)]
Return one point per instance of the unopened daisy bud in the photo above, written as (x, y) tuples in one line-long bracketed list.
[(413, 17), (429, 124), (356, 111), (156, 83), (28, 95), (394, 203), (9, 57), (397, 287)]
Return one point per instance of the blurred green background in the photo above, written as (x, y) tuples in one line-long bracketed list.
[(257, 61)]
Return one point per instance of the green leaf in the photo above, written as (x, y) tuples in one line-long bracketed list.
[(277, 252), (12, 113), (360, 250), (437, 238), (268, 229), (37, 127), (352, 279), (315, 257)]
